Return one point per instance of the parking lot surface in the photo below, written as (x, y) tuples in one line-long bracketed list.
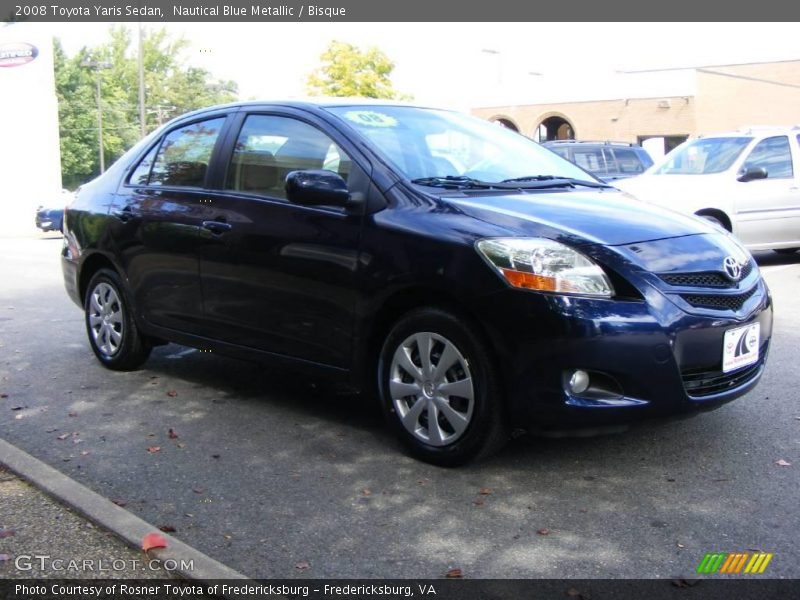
[(278, 476)]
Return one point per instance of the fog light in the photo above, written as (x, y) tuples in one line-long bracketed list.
[(578, 382)]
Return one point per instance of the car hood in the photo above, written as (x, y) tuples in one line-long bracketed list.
[(665, 190), (606, 217)]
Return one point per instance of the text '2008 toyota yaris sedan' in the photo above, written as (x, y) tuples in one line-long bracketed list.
[(470, 277)]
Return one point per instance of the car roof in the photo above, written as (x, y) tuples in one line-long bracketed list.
[(311, 103), (755, 131)]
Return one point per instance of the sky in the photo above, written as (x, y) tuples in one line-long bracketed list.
[(465, 65)]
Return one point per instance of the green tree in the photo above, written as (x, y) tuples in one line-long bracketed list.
[(171, 88), (347, 70)]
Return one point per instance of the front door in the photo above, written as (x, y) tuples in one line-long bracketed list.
[(277, 276)]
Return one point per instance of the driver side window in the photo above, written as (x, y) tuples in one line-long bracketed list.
[(270, 147), (773, 155)]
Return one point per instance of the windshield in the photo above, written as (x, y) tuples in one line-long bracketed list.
[(703, 156), (426, 143)]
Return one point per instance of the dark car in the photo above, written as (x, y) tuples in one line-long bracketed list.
[(49, 219), (520, 292), (605, 160)]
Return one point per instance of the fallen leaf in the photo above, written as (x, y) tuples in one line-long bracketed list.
[(215, 456), (6, 396), (153, 449), (85, 453), (478, 502), (484, 491), (181, 445), (783, 463), (172, 434), (198, 490), (18, 417), (454, 574), (63, 436), (680, 545), (573, 593), (4, 557), (684, 583), (167, 528), (543, 531), (120, 503), (153, 376), (190, 515), (366, 492), (153, 540), (72, 414), (172, 393), (17, 407), (53, 430), (302, 565), (6, 533), (227, 536)]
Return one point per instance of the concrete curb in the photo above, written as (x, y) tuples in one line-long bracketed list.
[(130, 528)]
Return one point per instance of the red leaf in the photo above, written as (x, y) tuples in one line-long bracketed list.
[(4, 557), (167, 528), (4, 533), (172, 434), (543, 532), (454, 574), (172, 393), (484, 491), (153, 540), (153, 449), (302, 565)]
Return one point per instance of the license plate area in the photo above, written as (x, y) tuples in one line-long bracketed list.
[(740, 347)]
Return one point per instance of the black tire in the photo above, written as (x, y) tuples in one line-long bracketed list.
[(106, 308), (485, 431), (786, 250)]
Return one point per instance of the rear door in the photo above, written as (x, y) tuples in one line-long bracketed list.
[(768, 210), (277, 276), (157, 215)]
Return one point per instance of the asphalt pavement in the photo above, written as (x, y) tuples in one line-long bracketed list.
[(281, 477)]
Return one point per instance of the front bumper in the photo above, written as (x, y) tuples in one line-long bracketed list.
[(665, 361)]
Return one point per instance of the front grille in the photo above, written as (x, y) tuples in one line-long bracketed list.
[(699, 383), (711, 279), (719, 301)]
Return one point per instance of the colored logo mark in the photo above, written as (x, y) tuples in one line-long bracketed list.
[(734, 563)]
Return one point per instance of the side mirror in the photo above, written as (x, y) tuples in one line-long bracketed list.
[(315, 188), (753, 173)]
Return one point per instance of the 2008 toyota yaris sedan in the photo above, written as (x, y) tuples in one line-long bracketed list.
[(475, 280)]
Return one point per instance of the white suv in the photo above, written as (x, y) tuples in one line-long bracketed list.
[(747, 181)]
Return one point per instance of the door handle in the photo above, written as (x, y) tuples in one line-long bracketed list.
[(125, 214), (217, 227)]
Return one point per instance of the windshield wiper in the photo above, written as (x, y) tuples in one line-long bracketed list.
[(544, 181), (451, 181)]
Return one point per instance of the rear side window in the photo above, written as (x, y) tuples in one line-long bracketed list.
[(270, 147), (591, 159), (141, 175), (772, 154), (182, 160), (629, 161)]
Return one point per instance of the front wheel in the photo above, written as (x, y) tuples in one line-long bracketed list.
[(439, 389), (112, 331)]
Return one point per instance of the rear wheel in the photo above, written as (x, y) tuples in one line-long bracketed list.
[(113, 334), (439, 389)]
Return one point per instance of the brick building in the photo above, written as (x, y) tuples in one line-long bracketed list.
[(671, 104)]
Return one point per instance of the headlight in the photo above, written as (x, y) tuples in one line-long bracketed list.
[(545, 265)]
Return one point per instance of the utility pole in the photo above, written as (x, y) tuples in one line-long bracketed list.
[(142, 115), (97, 67)]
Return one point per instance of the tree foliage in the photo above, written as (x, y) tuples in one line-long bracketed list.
[(347, 70), (171, 88)]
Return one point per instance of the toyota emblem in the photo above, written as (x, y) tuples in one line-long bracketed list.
[(732, 268)]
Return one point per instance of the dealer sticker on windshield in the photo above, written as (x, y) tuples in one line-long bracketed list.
[(740, 347)]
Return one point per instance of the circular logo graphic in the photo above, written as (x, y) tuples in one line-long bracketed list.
[(732, 268), (16, 54)]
